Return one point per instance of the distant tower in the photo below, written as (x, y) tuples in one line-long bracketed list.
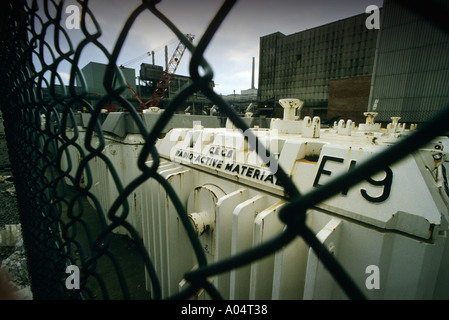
[(253, 90), (252, 76)]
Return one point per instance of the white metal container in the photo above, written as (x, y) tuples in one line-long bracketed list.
[(389, 232)]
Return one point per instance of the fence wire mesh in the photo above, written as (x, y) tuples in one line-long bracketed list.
[(59, 229)]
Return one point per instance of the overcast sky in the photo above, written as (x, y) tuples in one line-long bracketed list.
[(237, 41)]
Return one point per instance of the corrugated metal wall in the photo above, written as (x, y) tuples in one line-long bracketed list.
[(411, 76)]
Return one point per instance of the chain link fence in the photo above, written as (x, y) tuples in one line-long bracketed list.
[(63, 222)]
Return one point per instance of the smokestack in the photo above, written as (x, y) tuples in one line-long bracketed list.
[(252, 77), (166, 58)]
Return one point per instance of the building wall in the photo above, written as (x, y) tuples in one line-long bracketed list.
[(348, 98), (302, 65), (411, 76), (94, 73)]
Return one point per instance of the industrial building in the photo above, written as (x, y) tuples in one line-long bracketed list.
[(411, 73), (340, 69), (149, 75), (309, 64), (94, 73)]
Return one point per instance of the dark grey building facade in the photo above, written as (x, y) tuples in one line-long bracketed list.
[(411, 73), (341, 68), (302, 65)]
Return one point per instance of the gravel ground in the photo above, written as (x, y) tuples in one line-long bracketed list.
[(9, 213), (8, 210), (12, 258)]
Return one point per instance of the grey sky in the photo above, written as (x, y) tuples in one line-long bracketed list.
[(237, 41)]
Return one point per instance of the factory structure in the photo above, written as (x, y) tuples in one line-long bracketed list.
[(328, 67), (156, 86), (340, 70), (149, 75), (343, 68)]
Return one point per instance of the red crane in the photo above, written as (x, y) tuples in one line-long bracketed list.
[(167, 75), (166, 78)]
